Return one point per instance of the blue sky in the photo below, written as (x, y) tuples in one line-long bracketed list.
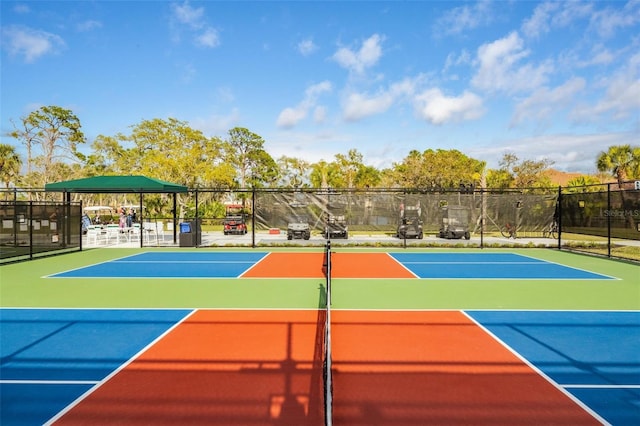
[(554, 80)]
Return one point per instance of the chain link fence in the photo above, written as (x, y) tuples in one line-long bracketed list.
[(602, 219), (30, 229)]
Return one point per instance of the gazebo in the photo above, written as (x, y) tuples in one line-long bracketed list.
[(118, 185)]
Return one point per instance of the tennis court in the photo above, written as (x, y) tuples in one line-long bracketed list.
[(240, 336)]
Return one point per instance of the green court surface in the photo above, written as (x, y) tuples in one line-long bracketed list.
[(154, 335), (27, 284)]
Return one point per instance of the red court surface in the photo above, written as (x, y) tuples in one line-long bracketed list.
[(389, 368), (344, 265), (417, 368)]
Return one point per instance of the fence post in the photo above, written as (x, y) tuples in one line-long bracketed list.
[(558, 218), (609, 220), (253, 217), (30, 229), (196, 227), (482, 214)]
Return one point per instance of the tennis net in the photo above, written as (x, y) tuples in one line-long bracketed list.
[(328, 379)]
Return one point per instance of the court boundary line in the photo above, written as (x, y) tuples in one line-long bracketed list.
[(87, 266), (255, 264), (571, 267), (597, 275), (399, 263), (127, 308), (49, 382), (104, 380), (57, 275), (587, 386), (555, 384)]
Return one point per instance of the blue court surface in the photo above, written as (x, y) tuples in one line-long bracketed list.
[(171, 265), (593, 355), (51, 357), (488, 266), (422, 265)]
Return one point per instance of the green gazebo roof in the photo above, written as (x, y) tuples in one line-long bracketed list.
[(116, 184)]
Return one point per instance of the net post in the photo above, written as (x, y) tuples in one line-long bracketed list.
[(328, 396)]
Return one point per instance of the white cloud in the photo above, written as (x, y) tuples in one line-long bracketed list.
[(307, 47), (554, 14), (570, 153), (88, 25), (217, 124), (357, 61), (545, 102), (433, 106), (454, 60), (208, 38), (191, 19), (621, 99), (319, 114), (187, 15), (357, 106), (21, 8), (464, 18), (500, 67), (291, 116), (609, 20), (30, 43)]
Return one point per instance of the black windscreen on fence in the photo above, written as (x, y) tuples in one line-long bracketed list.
[(614, 213), (384, 211), (34, 228)]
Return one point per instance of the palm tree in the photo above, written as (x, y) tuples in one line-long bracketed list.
[(621, 161), (10, 164)]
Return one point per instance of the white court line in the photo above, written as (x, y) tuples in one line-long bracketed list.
[(183, 261), (601, 386), (403, 265), (49, 382)]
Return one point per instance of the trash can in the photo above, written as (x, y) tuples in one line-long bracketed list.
[(190, 233)]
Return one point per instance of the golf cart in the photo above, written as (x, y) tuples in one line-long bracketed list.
[(455, 222), (235, 221), (298, 226), (410, 222), (336, 227), (335, 221)]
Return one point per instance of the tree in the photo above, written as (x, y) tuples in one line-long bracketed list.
[(516, 173), (293, 172), (582, 182), (10, 164), (438, 169), (245, 151), (170, 150), (353, 172), (622, 161), (164, 149), (367, 177), (54, 133), (321, 175)]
